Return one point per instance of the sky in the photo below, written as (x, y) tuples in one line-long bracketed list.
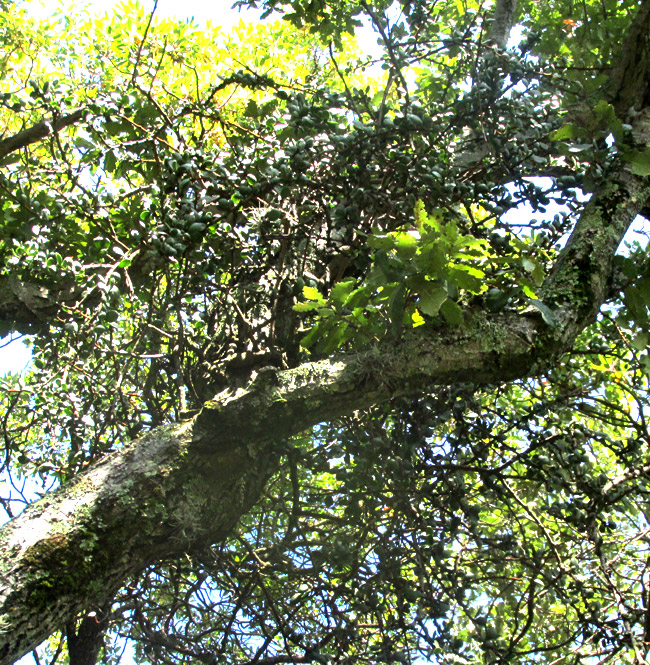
[(219, 11)]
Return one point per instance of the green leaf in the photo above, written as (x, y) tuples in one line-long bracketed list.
[(528, 264), (110, 162), (545, 311), (452, 312), (635, 303), (341, 291), (641, 341), (251, 110), (568, 131), (431, 299), (307, 306), (432, 260), (466, 278), (311, 337), (385, 242), (406, 245), (312, 293), (333, 338), (639, 161), (643, 285), (538, 274), (497, 299)]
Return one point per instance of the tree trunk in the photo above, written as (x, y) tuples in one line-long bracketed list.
[(183, 486)]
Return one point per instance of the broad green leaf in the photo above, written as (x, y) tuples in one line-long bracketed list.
[(396, 307), (641, 342), (545, 311), (639, 161), (643, 285), (452, 312), (568, 131), (341, 291), (110, 162), (432, 259), (312, 293), (308, 306), (470, 279), (431, 299), (636, 304), (405, 245), (385, 242), (333, 337), (497, 299)]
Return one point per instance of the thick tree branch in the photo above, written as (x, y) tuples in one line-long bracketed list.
[(504, 14), (629, 84), (28, 307), (184, 486), (37, 132)]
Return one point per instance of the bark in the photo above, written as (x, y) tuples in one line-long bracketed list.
[(183, 486), (628, 87), (85, 640), (28, 307), (37, 132), (504, 14)]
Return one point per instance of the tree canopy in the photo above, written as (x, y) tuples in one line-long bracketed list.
[(338, 356)]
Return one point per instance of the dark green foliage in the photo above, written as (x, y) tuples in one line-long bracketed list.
[(172, 244)]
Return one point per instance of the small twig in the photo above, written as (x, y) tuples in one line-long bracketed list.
[(142, 41)]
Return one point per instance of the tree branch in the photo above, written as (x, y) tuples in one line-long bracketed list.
[(504, 14), (182, 487), (628, 83), (37, 132)]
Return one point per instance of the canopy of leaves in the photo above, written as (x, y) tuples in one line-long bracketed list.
[(219, 203)]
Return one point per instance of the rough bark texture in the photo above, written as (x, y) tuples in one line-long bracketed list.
[(628, 87), (504, 14), (27, 307), (37, 132), (31, 307), (183, 486)]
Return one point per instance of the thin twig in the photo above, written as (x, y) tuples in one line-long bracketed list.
[(142, 41)]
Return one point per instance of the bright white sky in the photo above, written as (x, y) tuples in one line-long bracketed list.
[(218, 11)]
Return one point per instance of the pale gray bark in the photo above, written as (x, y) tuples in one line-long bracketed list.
[(502, 20), (183, 486)]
